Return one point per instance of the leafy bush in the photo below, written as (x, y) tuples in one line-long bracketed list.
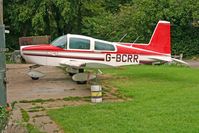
[(3, 117)]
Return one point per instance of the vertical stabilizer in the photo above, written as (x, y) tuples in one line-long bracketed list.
[(160, 40)]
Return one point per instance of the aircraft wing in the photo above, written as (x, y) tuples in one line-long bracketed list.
[(73, 63), (81, 64)]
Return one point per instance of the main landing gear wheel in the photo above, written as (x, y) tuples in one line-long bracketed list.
[(78, 71), (81, 82), (71, 74), (34, 78), (73, 71), (81, 70), (83, 78)]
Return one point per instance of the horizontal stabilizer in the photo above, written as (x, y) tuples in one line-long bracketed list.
[(180, 61), (161, 59)]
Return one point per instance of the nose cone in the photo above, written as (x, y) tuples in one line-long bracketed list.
[(34, 54), (23, 48)]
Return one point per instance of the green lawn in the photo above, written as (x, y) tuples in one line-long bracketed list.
[(164, 99)]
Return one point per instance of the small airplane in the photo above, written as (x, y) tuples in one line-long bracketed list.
[(77, 52)]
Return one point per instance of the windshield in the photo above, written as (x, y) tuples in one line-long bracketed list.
[(60, 41)]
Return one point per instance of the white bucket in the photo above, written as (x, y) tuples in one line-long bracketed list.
[(96, 93)]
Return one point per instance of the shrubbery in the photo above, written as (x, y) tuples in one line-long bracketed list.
[(3, 117)]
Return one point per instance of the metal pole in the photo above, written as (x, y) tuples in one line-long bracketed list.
[(1, 12), (3, 93)]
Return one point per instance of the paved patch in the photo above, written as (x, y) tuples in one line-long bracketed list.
[(193, 63), (56, 84)]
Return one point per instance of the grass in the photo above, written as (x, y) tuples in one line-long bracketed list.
[(36, 109), (30, 127), (25, 115), (37, 101), (72, 98), (4, 114), (164, 99)]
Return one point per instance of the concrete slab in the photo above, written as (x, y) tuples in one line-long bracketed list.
[(56, 84)]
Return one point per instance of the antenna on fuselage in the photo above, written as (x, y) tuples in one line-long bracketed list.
[(123, 37), (136, 39)]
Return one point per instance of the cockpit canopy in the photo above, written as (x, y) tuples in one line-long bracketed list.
[(79, 42)]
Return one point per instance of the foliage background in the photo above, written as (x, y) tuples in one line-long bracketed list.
[(104, 19)]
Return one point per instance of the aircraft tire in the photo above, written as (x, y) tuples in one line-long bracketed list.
[(81, 82), (81, 70), (71, 74), (34, 78)]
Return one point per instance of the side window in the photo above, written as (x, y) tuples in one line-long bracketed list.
[(79, 43), (104, 46)]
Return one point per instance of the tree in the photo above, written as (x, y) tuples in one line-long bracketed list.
[(106, 19)]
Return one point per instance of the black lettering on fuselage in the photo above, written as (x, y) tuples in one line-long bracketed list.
[(118, 57), (135, 59), (122, 58), (108, 57), (130, 57)]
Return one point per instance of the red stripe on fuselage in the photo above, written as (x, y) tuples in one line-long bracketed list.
[(68, 57), (120, 50)]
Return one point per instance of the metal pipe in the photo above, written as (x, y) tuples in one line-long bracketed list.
[(1, 12), (3, 90)]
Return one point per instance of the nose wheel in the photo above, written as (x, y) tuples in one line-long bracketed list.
[(81, 82), (34, 78), (34, 74)]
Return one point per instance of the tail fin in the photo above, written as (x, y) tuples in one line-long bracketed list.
[(160, 40)]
